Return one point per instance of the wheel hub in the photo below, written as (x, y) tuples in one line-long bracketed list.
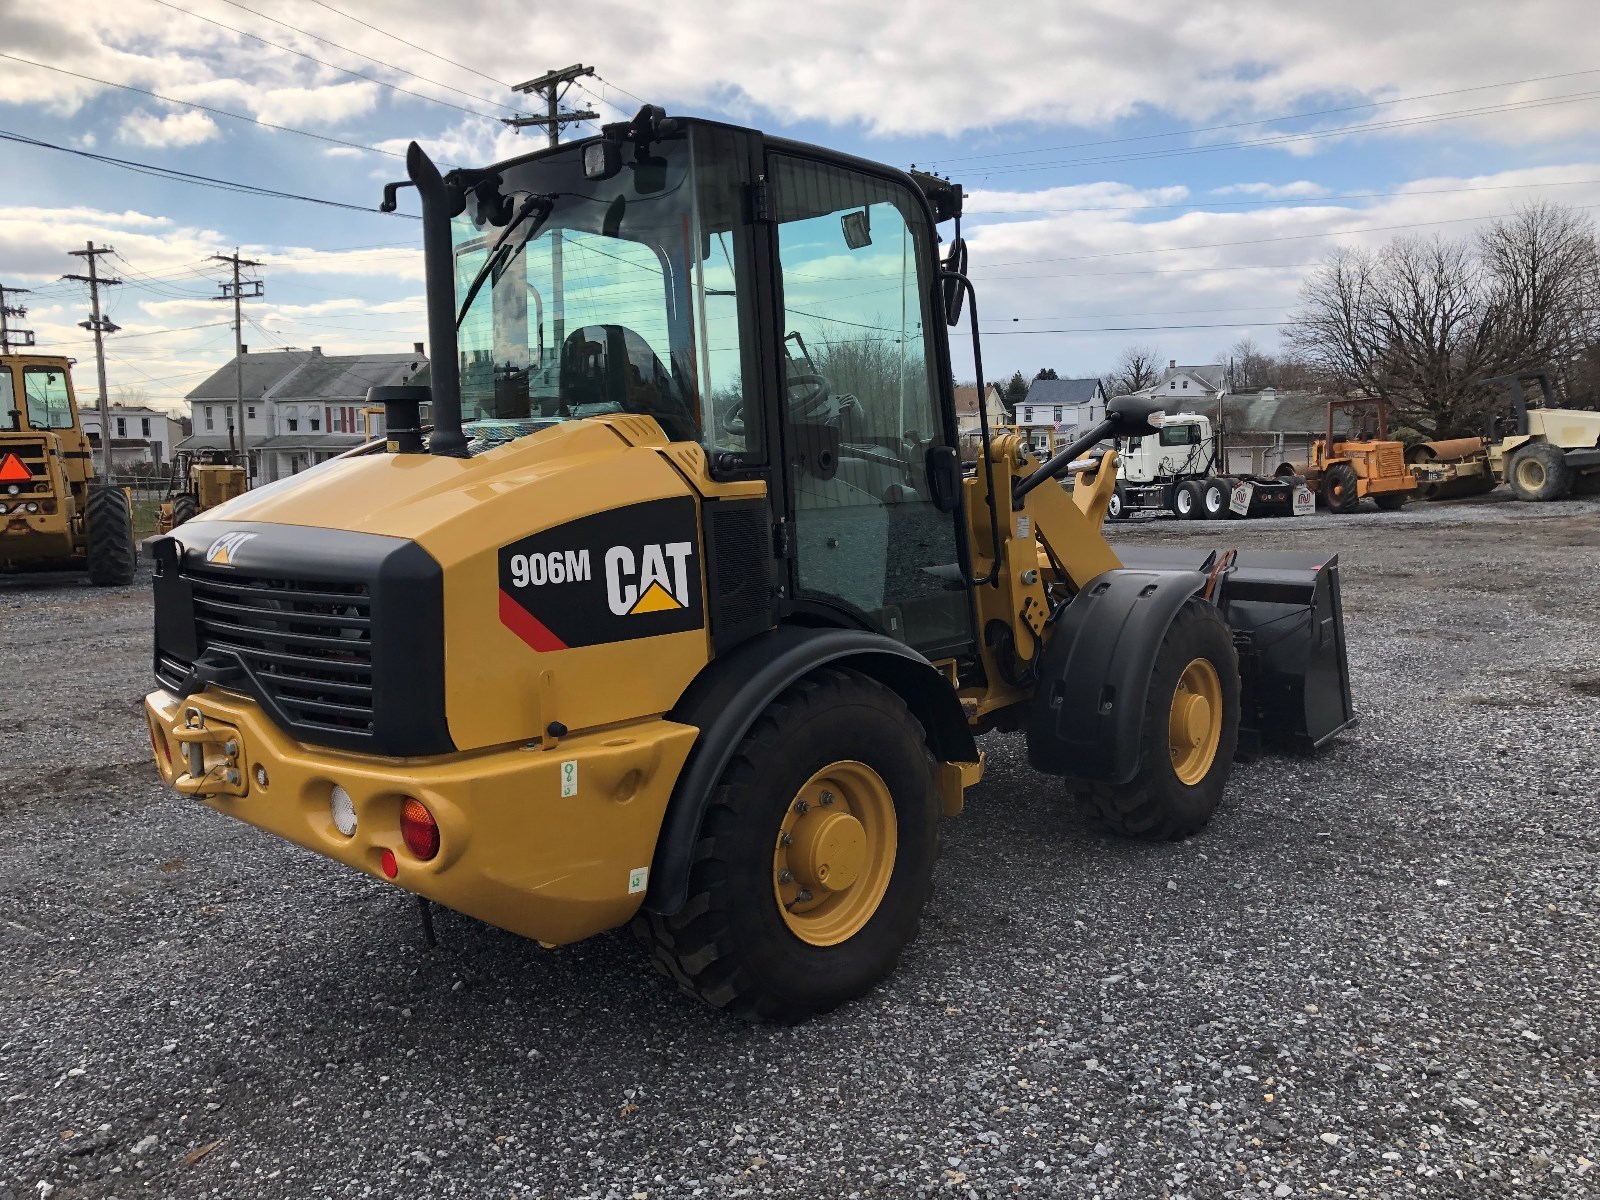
[(1194, 721), (835, 853), (828, 851)]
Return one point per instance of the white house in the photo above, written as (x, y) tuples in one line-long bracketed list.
[(140, 436), (1188, 387), (1054, 410)]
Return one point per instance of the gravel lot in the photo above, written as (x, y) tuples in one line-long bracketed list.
[(1375, 975)]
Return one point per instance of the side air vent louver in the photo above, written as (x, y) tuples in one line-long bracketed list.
[(738, 570)]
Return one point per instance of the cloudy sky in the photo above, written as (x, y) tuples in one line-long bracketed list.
[(1160, 173)]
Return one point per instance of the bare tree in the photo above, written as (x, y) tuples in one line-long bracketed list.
[(1138, 368), (1424, 323)]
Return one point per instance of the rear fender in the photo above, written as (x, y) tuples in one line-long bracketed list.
[(1094, 674), (728, 696)]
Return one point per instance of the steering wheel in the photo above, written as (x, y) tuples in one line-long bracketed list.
[(810, 401)]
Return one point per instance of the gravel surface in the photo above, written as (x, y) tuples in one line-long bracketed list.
[(1374, 975)]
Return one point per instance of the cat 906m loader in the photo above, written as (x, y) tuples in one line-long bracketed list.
[(679, 619)]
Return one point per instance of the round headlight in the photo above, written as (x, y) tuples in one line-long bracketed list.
[(2, 509), (12, 490), (32, 507)]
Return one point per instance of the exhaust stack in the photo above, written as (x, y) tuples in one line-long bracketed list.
[(440, 202)]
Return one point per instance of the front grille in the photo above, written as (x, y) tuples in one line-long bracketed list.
[(307, 645)]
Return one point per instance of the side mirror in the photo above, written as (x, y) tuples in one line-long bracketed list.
[(954, 289), (1135, 416), (857, 229), (944, 477)]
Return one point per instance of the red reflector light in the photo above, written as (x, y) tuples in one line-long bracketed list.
[(14, 470), (387, 862), (419, 829)]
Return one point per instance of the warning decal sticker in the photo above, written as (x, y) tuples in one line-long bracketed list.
[(628, 573)]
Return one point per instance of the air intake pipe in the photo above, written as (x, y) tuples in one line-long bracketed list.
[(440, 202)]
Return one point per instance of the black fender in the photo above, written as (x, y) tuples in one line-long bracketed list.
[(1094, 674), (726, 697)]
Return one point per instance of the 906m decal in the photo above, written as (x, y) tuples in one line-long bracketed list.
[(628, 573)]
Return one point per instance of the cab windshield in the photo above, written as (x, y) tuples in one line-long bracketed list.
[(619, 295), (49, 403)]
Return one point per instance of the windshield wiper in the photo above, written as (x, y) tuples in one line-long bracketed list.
[(503, 249)]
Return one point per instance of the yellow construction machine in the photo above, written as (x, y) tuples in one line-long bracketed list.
[(1345, 470), (1540, 452), (682, 613), (54, 514), (201, 480)]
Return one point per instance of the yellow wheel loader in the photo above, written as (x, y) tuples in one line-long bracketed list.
[(201, 480), (54, 514), (682, 614), (1343, 471), (1540, 452)]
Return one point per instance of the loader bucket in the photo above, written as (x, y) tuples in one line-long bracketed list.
[(1288, 625), (1450, 469)]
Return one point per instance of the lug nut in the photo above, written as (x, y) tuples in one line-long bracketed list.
[(802, 896), (827, 798), (786, 840), (800, 806), (786, 876)]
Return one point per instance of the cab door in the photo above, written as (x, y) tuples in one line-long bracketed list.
[(863, 398)]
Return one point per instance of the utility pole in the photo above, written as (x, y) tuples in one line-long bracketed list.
[(22, 337), (100, 326), (552, 86), (235, 291)]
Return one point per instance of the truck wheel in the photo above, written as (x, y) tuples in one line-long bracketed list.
[(1390, 501), (1117, 510), (1214, 498), (1191, 728), (1539, 471), (108, 525), (184, 508), (1186, 500), (1340, 489), (814, 859)]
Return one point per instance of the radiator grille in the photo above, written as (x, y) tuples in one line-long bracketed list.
[(308, 645), (1391, 460)]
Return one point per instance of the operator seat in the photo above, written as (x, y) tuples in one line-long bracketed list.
[(611, 367)]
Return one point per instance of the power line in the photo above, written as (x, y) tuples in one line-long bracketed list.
[(1293, 237), (1000, 212), (376, 62), (396, 37), (1136, 328), (205, 108), (188, 177), (1256, 143), (1323, 112), (100, 326), (255, 37)]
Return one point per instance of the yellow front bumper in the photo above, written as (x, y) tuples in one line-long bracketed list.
[(551, 844)]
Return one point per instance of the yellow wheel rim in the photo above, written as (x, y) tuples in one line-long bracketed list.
[(1530, 473), (1194, 724), (834, 853)]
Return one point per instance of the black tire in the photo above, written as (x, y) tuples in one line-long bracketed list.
[(1391, 501), (108, 528), (1156, 805), (1117, 510), (1341, 488), (184, 508), (731, 945), (1539, 471), (1186, 501), (1215, 497)]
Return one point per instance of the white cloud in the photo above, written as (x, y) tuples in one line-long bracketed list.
[(187, 128), (325, 104), (1273, 191)]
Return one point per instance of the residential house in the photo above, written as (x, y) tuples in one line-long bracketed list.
[(1054, 410), (1185, 388), (141, 437), (302, 407), (968, 425)]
